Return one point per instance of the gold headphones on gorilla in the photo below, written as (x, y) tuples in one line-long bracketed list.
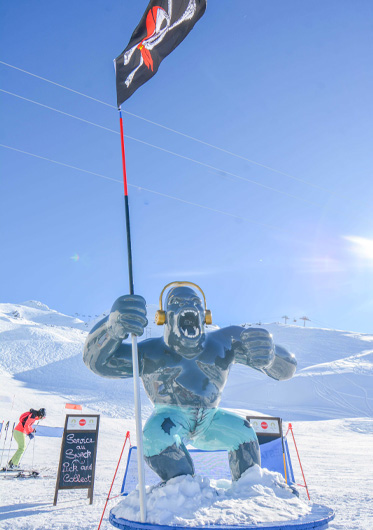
[(160, 316)]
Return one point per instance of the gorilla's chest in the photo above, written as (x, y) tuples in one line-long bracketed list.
[(170, 378)]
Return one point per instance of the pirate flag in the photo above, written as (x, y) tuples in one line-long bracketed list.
[(163, 26)]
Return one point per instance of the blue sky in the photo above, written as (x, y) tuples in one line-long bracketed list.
[(275, 220)]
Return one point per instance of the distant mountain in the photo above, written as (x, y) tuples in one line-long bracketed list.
[(32, 335), (43, 349), (333, 378)]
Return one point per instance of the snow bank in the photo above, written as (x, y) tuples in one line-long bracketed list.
[(259, 496)]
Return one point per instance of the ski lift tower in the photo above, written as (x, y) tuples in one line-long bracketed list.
[(304, 320)]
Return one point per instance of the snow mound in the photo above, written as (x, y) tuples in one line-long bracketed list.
[(259, 496)]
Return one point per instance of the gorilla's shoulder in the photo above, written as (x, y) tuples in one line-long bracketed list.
[(149, 345), (229, 331), (150, 341)]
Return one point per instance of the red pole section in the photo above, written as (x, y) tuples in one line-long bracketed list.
[(296, 448), (115, 474), (126, 206), (123, 155)]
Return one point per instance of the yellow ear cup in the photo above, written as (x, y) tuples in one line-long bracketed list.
[(160, 317), (208, 317)]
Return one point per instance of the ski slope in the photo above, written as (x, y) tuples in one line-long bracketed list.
[(329, 402)]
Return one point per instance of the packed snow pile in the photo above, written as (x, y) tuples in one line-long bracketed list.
[(259, 496)]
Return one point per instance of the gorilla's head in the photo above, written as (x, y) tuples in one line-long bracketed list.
[(184, 329)]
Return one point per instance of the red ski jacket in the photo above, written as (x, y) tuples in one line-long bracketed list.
[(25, 422)]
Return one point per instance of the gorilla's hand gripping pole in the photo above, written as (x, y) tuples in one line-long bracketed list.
[(135, 358)]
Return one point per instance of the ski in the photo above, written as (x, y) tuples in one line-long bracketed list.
[(10, 470), (17, 470), (27, 474), (21, 474)]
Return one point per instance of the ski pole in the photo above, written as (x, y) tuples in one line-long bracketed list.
[(10, 444), (33, 453), (6, 434), (1, 430), (27, 447), (23, 454)]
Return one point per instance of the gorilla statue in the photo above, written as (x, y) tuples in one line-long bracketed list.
[(184, 374)]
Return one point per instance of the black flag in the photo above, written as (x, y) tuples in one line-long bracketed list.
[(163, 26)]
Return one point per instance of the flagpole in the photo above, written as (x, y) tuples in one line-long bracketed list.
[(135, 358)]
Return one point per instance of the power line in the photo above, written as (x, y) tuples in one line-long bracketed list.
[(57, 84), (141, 188), (57, 110), (59, 163), (269, 168), (219, 170)]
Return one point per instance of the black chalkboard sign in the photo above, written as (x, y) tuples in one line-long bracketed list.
[(78, 454)]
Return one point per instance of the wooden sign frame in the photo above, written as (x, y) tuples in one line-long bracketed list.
[(77, 426)]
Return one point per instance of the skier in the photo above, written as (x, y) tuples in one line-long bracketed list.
[(184, 374), (23, 429)]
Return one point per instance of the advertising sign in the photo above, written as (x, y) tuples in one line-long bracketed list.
[(78, 454)]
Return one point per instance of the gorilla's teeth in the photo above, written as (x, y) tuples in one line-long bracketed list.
[(189, 323), (192, 334)]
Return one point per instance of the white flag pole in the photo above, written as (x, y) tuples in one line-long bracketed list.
[(135, 358)]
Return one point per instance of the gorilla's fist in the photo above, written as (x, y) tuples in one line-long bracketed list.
[(128, 315), (258, 346)]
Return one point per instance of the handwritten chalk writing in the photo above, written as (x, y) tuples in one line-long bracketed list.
[(77, 465), (78, 456), (77, 479), (71, 455), (71, 468), (70, 439)]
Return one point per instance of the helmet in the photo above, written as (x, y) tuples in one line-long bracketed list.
[(42, 413)]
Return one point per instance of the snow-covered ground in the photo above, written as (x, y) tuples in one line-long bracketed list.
[(329, 403)]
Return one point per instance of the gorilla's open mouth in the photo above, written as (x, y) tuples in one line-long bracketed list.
[(189, 323)]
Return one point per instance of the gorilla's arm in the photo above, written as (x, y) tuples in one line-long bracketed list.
[(105, 355), (254, 347), (104, 351)]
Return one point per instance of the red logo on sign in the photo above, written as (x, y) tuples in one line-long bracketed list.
[(264, 425), (82, 422)]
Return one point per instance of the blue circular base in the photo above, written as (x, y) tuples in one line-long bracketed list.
[(318, 518)]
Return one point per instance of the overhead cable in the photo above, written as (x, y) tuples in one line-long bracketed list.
[(219, 170), (269, 168), (57, 84), (141, 188)]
